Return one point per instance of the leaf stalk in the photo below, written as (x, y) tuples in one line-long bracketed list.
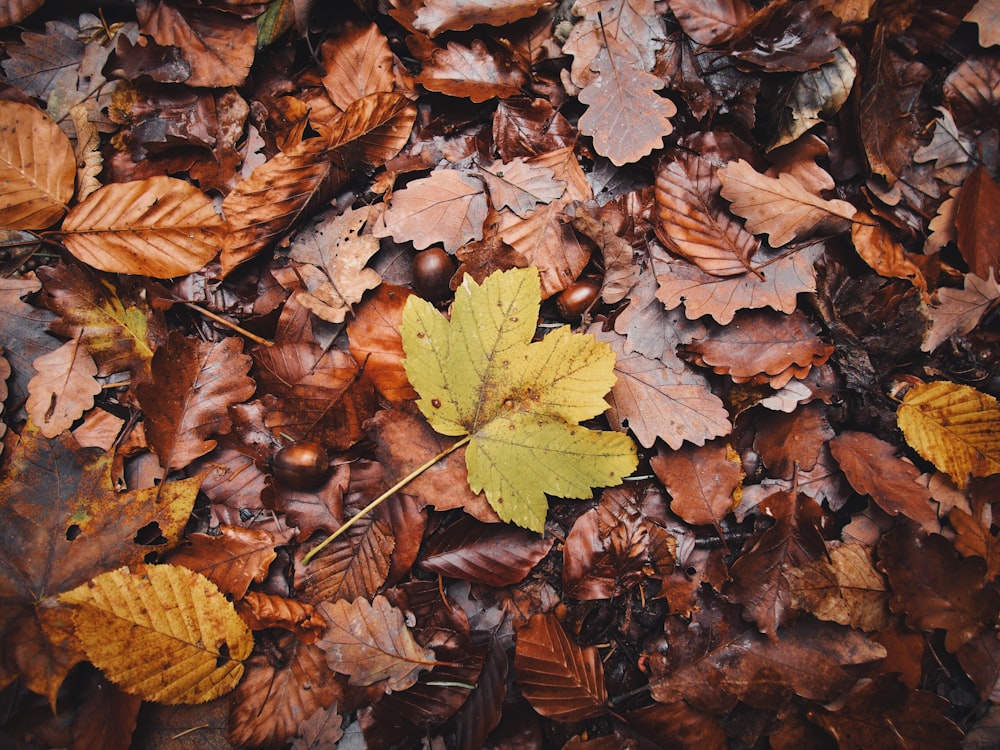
[(384, 496)]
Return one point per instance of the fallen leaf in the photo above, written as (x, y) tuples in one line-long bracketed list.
[(977, 223), (710, 23), (322, 729), (261, 611), (787, 37), (702, 481), (186, 642), (814, 95), (975, 538), (158, 227), (559, 679), (437, 16), (477, 73), (955, 427), (17, 10), (354, 566), (37, 167), (375, 341), (985, 15), (63, 388), (886, 257), (480, 376), (520, 185), (90, 160), (358, 62), (959, 311), (232, 559), (370, 643)]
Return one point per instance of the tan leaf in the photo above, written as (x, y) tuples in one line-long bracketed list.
[(322, 729), (702, 481), (955, 427), (625, 117), (959, 310), (193, 383), (219, 47), (655, 401), (845, 588), (448, 207), (63, 388), (16, 11), (357, 62), (975, 538), (437, 16), (520, 186), (37, 167), (694, 222), (186, 644), (814, 95), (986, 15), (232, 559), (336, 253), (872, 468), (781, 208), (476, 73), (371, 643), (160, 227), (785, 275), (886, 257), (977, 223), (634, 30), (712, 22), (90, 160)]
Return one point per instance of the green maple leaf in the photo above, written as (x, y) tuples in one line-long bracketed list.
[(520, 403)]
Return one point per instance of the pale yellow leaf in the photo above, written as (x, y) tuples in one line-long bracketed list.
[(163, 632)]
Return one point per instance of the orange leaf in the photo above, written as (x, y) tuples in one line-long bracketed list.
[(159, 227), (358, 62), (475, 73), (376, 341), (232, 560), (37, 167), (702, 481), (63, 388)]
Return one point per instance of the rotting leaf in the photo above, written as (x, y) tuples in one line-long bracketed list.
[(516, 403)]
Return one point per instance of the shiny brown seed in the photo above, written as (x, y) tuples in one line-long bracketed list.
[(301, 465)]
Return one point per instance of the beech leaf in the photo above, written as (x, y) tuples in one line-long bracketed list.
[(518, 402), (955, 427), (186, 644)]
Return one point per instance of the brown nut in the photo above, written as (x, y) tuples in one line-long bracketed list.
[(578, 297), (301, 465), (432, 272)]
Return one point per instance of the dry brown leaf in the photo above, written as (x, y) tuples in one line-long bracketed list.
[(355, 565), (713, 22), (261, 611), (781, 207), (520, 186), (232, 559), (437, 16), (336, 252), (375, 340), (634, 30), (16, 11), (476, 73), (977, 223), (371, 643), (815, 95), (37, 168), (986, 15), (90, 160), (358, 62), (63, 388), (694, 222), (186, 644), (702, 481), (158, 227), (959, 310), (886, 256)]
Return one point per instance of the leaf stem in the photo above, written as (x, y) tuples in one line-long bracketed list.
[(384, 496)]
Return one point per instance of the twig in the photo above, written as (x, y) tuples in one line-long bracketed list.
[(229, 324)]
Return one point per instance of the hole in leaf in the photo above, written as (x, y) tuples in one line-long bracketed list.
[(149, 535), (223, 658), (72, 532)]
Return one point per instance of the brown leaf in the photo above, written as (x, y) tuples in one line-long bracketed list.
[(158, 227), (193, 383), (933, 588), (37, 167), (710, 23), (656, 401), (791, 443), (376, 342), (633, 30), (529, 127), (781, 207), (357, 62), (886, 256), (625, 117), (448, 207), (322, 729), (787, 36), (873, 469), (702, 481), (232, 559), (63, 388), (986, 15), (65, 523), (17, 10), (281, 691), (560, 680), (977, 223), (219, 47), (371, 643), (813, 96), (352, 567), (606, 227), (23, 330), (107, 717), (959, 311), (975, 538), (761, 574), (762, 346), (490, 554), (476, 73), (436, 16), (694, 222), (262, 611), (520, 186)]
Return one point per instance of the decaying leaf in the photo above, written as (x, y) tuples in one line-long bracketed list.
[(518, 403), (955, 427), (186, 642), (63, 388)]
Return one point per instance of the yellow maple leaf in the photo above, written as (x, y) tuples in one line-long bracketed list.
[(518, 403), (955, 427)]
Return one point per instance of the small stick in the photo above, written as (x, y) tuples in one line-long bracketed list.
[(229, 324)]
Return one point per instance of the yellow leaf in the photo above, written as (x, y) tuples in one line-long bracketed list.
[(185, 642), (480, 375), (955, 427)]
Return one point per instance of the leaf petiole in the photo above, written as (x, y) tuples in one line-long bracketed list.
[(384, 496)]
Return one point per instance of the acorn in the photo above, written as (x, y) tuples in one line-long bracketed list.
[(432, 272), (301, 465), (578, 298)]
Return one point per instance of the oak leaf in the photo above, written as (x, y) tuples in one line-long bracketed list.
[(520, 185), (23, 330), (959, 310), (186, 644), (232, 559), (476, 73), (63, 388), (437, 16), (371, 642), (713, 22), (160, 227), (780, 207), (702, 481), (37, 167), (516, 402), (955, 427)]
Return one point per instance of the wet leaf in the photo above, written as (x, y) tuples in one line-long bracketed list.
[(186, 642), (713, 22), (476, 73), (479, 375)]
